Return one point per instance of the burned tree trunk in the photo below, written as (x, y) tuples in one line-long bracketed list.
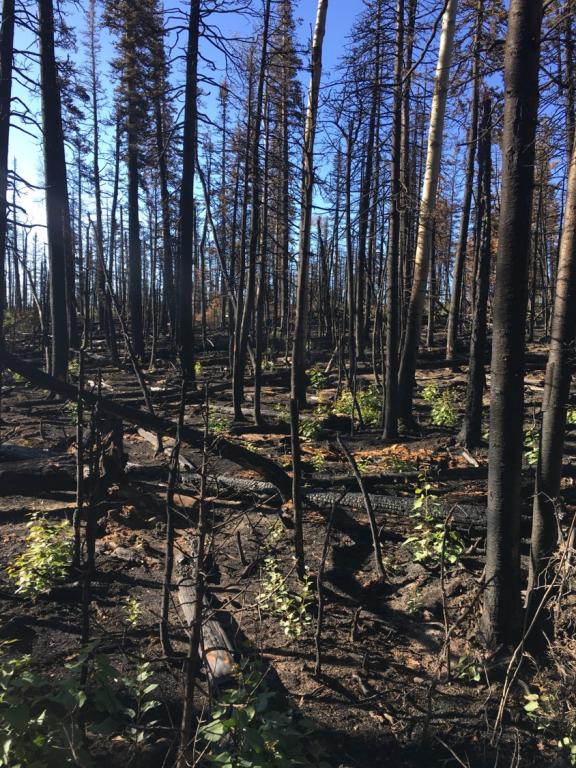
[(556, 390), (502, 611), (392, 327), (472, 429), (298, 383), (6, 60), (57, 213)]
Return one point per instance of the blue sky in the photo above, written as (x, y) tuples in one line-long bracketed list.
[(341, 16)]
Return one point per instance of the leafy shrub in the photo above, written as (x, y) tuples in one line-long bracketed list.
[(245, 731), (431, 536), (288, 606), (218, 424), (468, 670), (318, 461), (133, 611), (547, 712), (532, 446), (43, 719), (46, 557), (369, 400), (442, 405), (318, 379), (310, 428), (571, 416)]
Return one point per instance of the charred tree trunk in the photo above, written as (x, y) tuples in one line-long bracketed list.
[(6, 61), (57, 214), (472, 429), (365, 197), (559, 370), (392, 327), (502, 611), (134, 241), (298, 378), (460, 259), (185, 335), (298, 372), (248, 308)]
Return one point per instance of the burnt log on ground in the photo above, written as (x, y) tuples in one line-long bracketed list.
[(38, 475), (216, 649), (266, 468)]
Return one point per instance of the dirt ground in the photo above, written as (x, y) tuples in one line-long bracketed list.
[(392, 691)]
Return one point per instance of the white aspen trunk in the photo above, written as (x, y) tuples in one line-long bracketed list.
[(426, 218)]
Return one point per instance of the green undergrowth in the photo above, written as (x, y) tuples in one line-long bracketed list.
[(369, 401), (442, 404), (434, 538), (46, 558), (246, 730), (49, 721)]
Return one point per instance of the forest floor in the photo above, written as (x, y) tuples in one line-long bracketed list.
[(384, 696)]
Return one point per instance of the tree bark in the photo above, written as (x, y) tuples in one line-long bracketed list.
[(185, 333), (298, 377), (255, 206), (502, 613), (57, 213), (392, 326), (561, 359), (472, 429), (427, 205), (6, 61), (460, 259)]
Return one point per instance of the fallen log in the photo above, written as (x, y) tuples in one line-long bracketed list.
[(185, 464), (216, 649), (461, 512), (29, 477), (266, 468), (13, 452)]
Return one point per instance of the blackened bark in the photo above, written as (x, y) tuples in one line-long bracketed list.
[(248, 308), (168, 306), (460, 258), (365, 197), (298, 374), (502, 612), (57, 214), (6, 60), (392, 324), (472, 429), (185, 334), (559, 370), (134, 242)]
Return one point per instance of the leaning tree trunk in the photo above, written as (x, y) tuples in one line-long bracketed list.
[(472, 428), (185, 330), (57, 213), (298, 384), (426, 218), (6, 60), (298, 372), (559, 369), (392, 327), (502, 611)]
